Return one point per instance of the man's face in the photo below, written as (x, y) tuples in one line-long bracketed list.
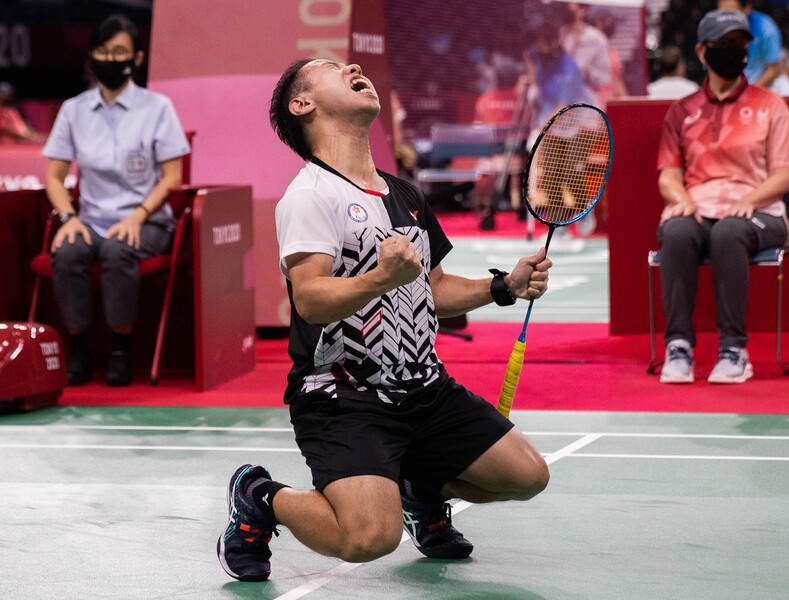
[(729, 51), (733, 39), (579, 10), (119, 47), (547, 47), (336, 88)]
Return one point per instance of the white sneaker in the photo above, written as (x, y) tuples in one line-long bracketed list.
[(733, 366), (678, 365)]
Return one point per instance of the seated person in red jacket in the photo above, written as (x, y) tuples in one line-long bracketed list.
[(724, 166)]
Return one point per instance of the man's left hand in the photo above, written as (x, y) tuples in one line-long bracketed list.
[(742, 208), (128, 229)]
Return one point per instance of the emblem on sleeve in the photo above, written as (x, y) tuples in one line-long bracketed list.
[(357, 213)]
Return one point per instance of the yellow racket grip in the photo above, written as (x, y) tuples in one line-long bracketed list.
[(511, 379)]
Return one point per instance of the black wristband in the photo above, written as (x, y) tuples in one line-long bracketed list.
[(499, 290)]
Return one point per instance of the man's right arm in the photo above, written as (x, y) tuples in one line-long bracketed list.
[(60, 199), (671, 184), (58, 195), (321, 298)]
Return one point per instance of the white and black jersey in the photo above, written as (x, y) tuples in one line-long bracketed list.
[(385, 350)]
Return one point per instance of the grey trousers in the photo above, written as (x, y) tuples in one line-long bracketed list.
[(120, 276), (729, 243)]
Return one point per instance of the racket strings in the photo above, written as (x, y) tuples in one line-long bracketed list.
[(569, 166)]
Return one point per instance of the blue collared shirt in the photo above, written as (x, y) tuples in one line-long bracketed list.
[(118, 148)]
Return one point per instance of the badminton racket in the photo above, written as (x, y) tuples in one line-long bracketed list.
[(565, 176)]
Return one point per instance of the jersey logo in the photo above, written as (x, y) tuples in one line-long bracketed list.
[(746, 114), (690, 119), (415, 213), (357, 213)]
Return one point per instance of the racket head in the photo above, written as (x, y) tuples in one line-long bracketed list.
[(568, 166)]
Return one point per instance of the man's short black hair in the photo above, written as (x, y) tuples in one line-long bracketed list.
[(285, 123), (109, 28)]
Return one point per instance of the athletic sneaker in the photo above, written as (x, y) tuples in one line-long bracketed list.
[(678, 365), (243, 547), (431, 530), (733, 366)]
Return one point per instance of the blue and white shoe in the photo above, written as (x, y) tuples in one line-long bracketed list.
[(431, 530), (242, 548), (678, 366), (733, 366)]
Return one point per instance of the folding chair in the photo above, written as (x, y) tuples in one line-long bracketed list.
[(771, 257)]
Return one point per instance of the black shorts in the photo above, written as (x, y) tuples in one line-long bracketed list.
[(430, 438)]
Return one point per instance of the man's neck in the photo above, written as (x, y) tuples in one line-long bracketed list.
[(722, 88), (576, 27), (349, 153)]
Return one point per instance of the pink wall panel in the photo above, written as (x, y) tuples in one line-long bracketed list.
[(234, 143), (219, 62), (193, 38)]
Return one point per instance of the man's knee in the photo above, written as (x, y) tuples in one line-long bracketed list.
[(369, 543), (532, 479), (678, 229), (69, 256), (114, 253), (527, 472), (728, 230)]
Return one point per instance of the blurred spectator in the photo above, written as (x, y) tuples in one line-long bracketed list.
[(603, 19), (554, 77), (589, 49), (487, 66), (405, 155), (672, 82), (12, 124), (498, 105), (555, 81), (764, 52), (781, 83)]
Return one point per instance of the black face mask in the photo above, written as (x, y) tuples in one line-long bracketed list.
[(727, 62), (112, 73)]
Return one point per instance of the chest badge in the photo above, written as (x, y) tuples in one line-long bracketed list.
[(357, 213)]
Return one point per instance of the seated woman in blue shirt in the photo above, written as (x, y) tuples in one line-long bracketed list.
[(128, 143)]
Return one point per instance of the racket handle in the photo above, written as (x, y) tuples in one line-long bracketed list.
[(511, 379)]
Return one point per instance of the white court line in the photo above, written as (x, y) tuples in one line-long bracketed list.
[(681, 456), (549, 458), (713, 436), (163, 448), (143, 428), (319, 581), (331, 575)]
